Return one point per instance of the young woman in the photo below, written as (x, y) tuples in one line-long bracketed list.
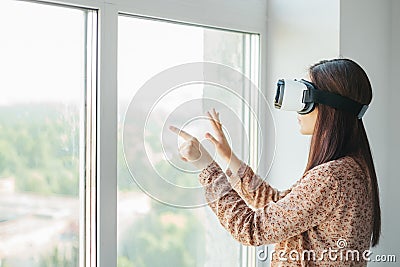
[(331, 216)]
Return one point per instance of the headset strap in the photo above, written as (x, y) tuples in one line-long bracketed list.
[(333, 100)]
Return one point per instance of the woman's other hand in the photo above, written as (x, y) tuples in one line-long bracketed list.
[(220, 142)]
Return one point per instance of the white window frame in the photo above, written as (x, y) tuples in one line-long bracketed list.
[(246, 16)]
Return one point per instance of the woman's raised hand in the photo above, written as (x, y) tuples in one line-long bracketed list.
[(191, 150)]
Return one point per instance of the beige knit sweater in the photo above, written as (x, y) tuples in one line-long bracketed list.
[(324, 219)]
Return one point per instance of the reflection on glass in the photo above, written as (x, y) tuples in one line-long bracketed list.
[(42, 84), (151, 233)]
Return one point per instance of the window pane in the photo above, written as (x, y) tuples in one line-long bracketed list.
[(42, 53), (158, 226)]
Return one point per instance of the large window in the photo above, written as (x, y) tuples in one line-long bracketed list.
[(42, 115), (161, 221)]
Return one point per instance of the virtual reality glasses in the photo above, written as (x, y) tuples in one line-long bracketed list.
[(302, 95)]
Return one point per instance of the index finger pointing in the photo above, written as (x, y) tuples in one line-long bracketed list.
[(180, 132)]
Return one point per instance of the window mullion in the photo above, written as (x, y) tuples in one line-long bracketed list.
[(106, 204), (252, 70), (88, 228)]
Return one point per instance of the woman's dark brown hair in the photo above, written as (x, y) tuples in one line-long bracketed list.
[(338, 133)]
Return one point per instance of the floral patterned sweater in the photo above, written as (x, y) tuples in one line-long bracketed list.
[(324, 219)]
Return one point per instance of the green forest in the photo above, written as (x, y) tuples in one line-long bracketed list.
[(39, 148)]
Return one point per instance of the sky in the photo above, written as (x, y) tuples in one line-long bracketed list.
[(41, 52)]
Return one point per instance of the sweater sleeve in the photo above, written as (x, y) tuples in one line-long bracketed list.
[(308, 204), (254, 190)]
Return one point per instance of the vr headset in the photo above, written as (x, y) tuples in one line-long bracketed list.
[(302, 95)]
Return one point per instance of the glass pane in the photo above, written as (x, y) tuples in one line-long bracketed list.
[(161, 222), (42, 89)]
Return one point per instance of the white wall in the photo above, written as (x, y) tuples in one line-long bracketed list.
[(392, 183), (300, 33), (372, 37)]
